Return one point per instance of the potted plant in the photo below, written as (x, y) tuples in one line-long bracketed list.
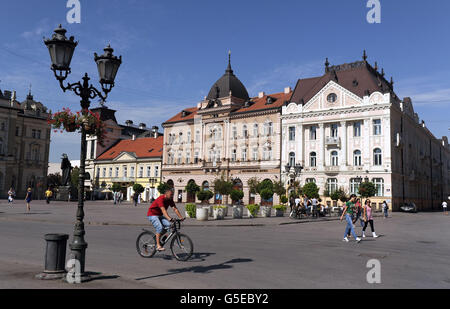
[(190, 210), (253, 210), (219, 212), (202, 213), (266, 194), (204, 196), (279, 210), (236, 197)]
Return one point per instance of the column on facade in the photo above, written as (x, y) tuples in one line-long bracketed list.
[(322, 142), (344, 143), (366, 143), (300, 145), (226, 138)]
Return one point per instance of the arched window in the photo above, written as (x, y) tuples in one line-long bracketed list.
[(233, 155), (188, 137), (313, 159), (357, 158), (292, 159), (377, 157), (205, 185), (244, 131), (234, 133), (255, 130), (334, 158)]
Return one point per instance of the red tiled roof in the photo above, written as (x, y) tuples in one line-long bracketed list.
[(148, 147), (192, 111), (260, 103)]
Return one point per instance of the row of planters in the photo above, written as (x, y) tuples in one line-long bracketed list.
[(219, 212)]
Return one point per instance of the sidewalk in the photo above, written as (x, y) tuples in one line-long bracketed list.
[(126, 214), (14, 275)]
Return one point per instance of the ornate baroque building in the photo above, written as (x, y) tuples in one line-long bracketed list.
[(228, 133), (348, 126), (24, 145)]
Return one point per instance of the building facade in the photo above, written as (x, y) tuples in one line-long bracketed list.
[(115, 133), (228, 134), (129, 162), (24, 145), (349, 126)]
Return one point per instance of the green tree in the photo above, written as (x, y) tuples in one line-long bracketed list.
[(192, 187), (342, 195), (54, 180), (74, 177), (204, 195), (283, 199), (223, 186), (265, 184), (311, 190), (163, 187), (236, 195), (138, 188), (367, 189), (266, 194), (279, 188), (253, 184), (116, 187)]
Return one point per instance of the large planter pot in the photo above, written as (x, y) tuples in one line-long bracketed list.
[(202, 214), (266, 211), (225, 211), (238, 212), (219, 213), (279, 213)]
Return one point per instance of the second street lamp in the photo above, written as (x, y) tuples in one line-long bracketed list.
[(61, 50)]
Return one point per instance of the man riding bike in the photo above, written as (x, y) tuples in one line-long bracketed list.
[(158, 216)]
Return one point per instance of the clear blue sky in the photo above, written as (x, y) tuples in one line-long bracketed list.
[(173, 51)]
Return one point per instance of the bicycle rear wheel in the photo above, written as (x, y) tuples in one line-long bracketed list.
[(146, 244), (182, 247)]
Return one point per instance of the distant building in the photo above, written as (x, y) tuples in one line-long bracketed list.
[(129, 162), (348, 126), (24, 145)]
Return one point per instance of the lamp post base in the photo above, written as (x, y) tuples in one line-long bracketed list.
[(51, 276)]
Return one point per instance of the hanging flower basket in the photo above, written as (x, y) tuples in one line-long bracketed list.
[(85, 119)]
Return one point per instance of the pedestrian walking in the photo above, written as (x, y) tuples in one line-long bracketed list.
[(314, 208), (11, 195), (28, 199), (306, 203), (120, 197), (292, 203), (348, 212), (385, 210), (135, 198), (359, 213), (368, 219), (48, 195), (444, 207)]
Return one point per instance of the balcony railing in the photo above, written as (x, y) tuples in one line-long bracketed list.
[(333, 141)]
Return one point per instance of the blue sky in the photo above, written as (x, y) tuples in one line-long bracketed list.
[(173, 51)]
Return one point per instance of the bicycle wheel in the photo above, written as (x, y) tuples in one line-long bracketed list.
[(182, 247), (146, 244)]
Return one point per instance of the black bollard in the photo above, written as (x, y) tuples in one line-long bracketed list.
[(55, 257)]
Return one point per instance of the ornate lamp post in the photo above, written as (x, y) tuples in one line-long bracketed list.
[(61, 50), (293, 171)]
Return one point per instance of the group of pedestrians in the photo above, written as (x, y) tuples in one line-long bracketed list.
[(353, 212), (118, 197), (12, 196), (308, 206)]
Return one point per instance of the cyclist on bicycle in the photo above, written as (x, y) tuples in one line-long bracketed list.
[(158, 216)]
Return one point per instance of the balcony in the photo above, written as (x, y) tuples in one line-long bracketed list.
[(123, 179), (333, 141)]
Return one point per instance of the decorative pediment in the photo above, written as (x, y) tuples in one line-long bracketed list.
[(126, 156)]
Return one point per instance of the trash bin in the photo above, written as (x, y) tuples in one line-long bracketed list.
[(55, 253)]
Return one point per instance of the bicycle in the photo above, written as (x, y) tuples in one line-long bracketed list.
[(298, 213), (146, 242)]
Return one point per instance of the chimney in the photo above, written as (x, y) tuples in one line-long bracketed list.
[(261, 94), (142, 126), (128, 123), (133, 137), (287, 90), (155, 132)]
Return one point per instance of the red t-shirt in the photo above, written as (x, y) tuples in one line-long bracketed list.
[(160, 202)]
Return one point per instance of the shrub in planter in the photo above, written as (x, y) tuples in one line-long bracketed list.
[(204, 195), (236, 195), (253, 210), (284, 199), (279, 210), (191, 210), (219, 212)]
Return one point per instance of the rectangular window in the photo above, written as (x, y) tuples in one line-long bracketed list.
[(233, 155), (104, 172), (38, 136), (188, 158), (92, 149), (313, 133), (291, 134), (132, 171), (334, 130), (196, 157), (33, 133), (377, 127), (117, 172), (357, 129), (379, 185), (255, 154), (244, 154), (125, 171), (149, 170), (141, 172), (156, 171), (110, 172)]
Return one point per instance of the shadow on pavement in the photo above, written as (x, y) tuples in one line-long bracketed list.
[(94, 276), (200, 269), (196, 257)]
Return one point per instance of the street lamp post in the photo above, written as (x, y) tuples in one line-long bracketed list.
[(61, 50), (293, 171)]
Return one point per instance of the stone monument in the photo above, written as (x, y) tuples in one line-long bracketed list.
[(66, 171)]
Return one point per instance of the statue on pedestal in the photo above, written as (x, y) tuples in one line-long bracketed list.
[(66, 169)]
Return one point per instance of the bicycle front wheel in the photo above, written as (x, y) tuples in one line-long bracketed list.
[(182, 247), (146, 244)]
